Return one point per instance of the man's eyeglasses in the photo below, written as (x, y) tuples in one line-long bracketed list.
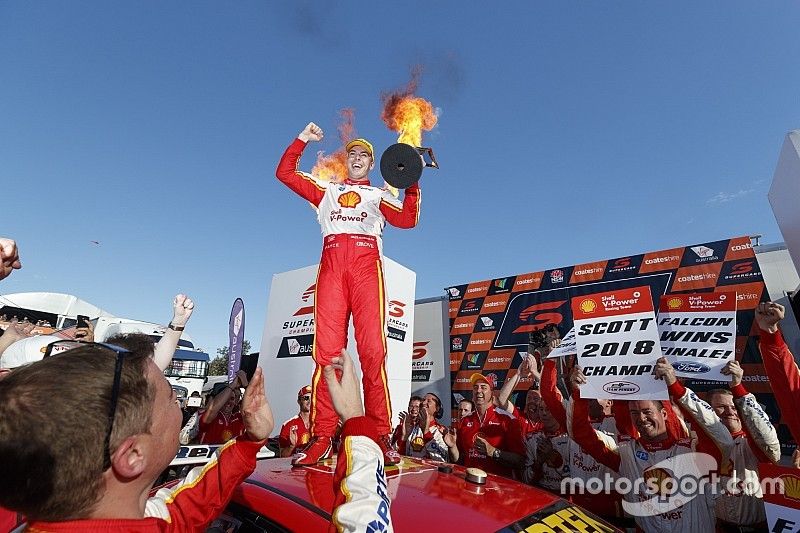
[(59, 347)]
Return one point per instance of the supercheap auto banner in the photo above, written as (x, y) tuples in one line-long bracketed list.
[(490, 320)]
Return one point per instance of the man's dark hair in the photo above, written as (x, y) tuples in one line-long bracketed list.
[(53, 423)]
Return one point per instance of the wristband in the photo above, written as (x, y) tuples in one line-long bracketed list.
[(175, 328)]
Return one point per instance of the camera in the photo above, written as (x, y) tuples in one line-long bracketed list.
[(538, 338)]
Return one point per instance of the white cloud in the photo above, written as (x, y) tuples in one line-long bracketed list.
[(723, 197)]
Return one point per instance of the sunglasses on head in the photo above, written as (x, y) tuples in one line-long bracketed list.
[(59, 347)]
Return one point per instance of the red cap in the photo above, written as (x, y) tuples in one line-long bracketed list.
[(490, 379), (305, 390)]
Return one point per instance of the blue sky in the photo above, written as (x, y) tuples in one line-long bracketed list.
[(568, 132)]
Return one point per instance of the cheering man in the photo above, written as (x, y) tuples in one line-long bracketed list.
[(352, 214)]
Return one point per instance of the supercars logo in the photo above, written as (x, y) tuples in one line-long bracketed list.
[(556, 276), (420, 349), (349, 199), (674, 303), (396, 308), (307, 295), (742, 268), (624, 262), (588, 306), (537, 316)]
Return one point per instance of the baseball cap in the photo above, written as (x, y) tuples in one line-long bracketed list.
[(361, 142), (491, 379), (26, 351), (305, 390)]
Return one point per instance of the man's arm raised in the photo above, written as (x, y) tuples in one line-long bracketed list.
[(306, 185)]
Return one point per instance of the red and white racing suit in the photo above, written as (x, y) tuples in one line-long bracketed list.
[(758, 443), (578, 463), (636, 460), (350, 280), (784, 378), (301, 431), (361, 500), (188, 506)]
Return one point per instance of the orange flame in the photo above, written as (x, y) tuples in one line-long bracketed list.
[(333, 167), (407, 114)]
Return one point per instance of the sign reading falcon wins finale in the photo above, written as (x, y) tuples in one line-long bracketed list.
[(617, 340), (698, 333)]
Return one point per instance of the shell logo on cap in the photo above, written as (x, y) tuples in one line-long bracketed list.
[(674, 303), (588, 306), (349, 199)]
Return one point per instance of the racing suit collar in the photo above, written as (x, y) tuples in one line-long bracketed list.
[(365, 181), (655, 446)]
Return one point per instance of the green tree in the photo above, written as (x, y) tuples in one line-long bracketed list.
[(219, 365)]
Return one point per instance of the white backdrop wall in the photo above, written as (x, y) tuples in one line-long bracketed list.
[(289, 335)]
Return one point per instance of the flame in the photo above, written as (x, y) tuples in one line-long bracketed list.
[(407, 114), (333, 167)]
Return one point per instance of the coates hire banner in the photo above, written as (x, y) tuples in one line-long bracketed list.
[(431, 357), (288, 337), (490, 320)]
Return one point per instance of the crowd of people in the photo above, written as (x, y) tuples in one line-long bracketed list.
[(131, 424), (560, 441)]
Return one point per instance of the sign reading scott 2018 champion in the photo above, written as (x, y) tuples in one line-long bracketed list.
[(490, 320), (618, 344)]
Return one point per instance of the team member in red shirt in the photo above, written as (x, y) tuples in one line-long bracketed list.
[(294, 432), (784, 376), (489, 438), (222, 421), (352, 215)]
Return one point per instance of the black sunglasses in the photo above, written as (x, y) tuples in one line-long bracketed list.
[(59, 347)]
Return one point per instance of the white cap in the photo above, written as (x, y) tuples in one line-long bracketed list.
[(26, 351)]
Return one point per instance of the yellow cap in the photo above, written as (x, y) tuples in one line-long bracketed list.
[(362, 142)]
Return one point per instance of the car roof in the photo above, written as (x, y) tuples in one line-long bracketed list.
[(417, 488)]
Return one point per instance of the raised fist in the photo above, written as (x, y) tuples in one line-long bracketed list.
[(312, 132)]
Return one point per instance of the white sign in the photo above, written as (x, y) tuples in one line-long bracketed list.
[(430, 364), (288, 337), (618, 347), (568, 346), (698, 333)]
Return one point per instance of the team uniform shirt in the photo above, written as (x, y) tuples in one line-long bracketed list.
[(425, 444), (640, 460), (526, 426), (222, 429), (352, 216), (547, 472), (579, 464), (784, 378), (758, 443), (189, 506), (303, 435), (499, 428)]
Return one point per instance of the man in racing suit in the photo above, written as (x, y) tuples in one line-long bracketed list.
[(740, 507), (352, 215), (781, 368), (656, 459)]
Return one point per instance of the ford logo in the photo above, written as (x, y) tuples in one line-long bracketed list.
[(621, 387), (691, 367)]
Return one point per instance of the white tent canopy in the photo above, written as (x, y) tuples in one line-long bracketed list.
[(53, 302)]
